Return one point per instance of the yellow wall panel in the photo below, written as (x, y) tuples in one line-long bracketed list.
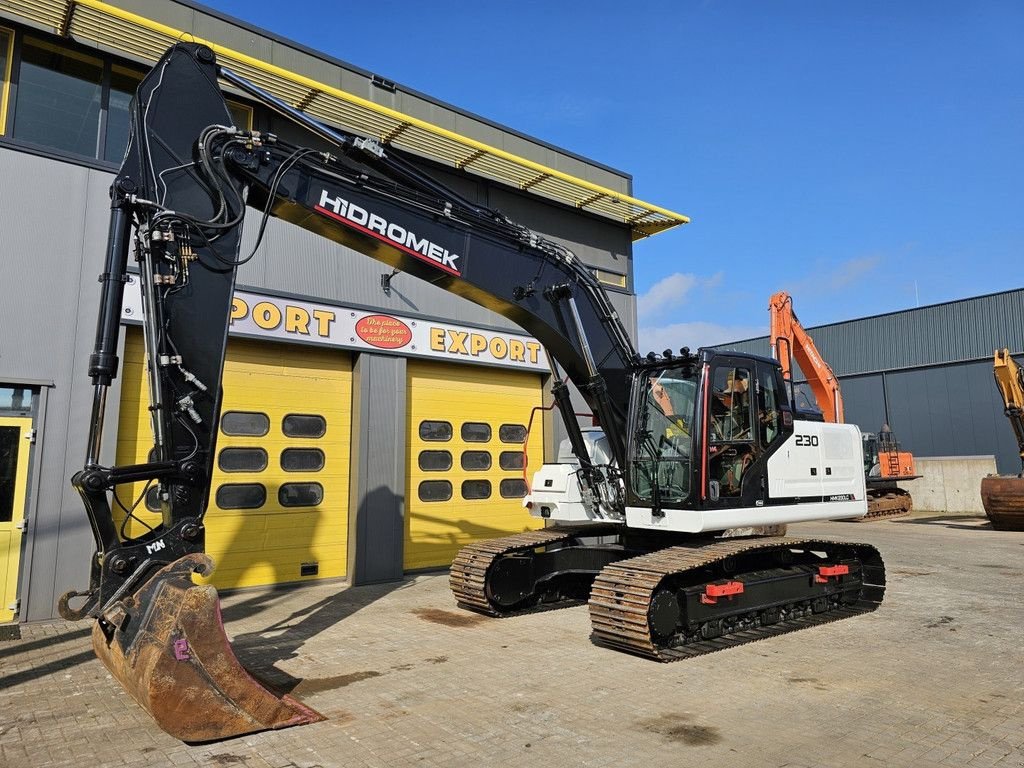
[(436, 530), (267, 545)]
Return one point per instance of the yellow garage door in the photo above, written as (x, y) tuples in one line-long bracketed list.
[(466, 436), (279, 505)]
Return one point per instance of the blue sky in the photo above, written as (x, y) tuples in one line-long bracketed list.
[(865, 156)]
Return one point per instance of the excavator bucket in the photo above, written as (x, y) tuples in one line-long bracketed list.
[(167, 646), (1003, 500)]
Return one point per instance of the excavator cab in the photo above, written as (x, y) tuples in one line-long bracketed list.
[(702, 429)]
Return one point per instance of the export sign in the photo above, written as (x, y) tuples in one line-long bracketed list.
[(256, 315)]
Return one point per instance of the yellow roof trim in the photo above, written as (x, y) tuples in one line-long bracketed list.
[(122, 30)]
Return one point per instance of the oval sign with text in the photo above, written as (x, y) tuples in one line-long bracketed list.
[(383, 331)]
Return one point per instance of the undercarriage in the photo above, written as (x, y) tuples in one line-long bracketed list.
[(671, 599)]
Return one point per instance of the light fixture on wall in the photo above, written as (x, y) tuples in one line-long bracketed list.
[(385, 282)]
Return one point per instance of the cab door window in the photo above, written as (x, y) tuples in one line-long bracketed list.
[(731, 440), (769, 415)]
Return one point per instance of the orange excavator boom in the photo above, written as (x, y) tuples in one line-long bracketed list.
[(789, 340)]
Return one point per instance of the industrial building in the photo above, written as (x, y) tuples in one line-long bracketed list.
[(927, 372), (372, 423)]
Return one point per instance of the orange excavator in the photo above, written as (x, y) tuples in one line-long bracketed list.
[(885, 462), (1003, 496)]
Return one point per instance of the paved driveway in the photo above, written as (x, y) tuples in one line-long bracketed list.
[(934, 678)]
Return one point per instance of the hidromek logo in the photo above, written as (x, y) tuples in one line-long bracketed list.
[(373, 224)]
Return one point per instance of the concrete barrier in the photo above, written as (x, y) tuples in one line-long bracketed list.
[(950, 484)]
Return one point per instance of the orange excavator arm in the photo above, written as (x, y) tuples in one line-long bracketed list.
[(789, 340), (1010, 381)]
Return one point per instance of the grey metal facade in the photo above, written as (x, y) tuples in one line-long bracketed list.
[(54, 222), (927, 372)]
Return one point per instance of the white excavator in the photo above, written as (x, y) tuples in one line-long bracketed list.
[(646, 522)]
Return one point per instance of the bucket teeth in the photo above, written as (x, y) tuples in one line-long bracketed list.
[(167, 646)]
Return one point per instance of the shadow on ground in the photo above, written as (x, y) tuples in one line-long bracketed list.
[(261, 650), (963, 522)]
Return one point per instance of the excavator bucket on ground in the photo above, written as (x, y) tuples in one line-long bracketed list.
[(167, 646), (1003, 500)]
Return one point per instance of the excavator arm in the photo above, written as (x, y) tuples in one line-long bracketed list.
[(180, 199), (789, 340), (1010, 383), (1002, 496)]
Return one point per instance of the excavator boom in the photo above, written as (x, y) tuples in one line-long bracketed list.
[(1003, 496), (180, 198)]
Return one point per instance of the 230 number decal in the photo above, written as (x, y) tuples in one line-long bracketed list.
[(806, 439)]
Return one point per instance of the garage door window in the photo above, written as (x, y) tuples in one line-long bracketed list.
[(435, 490), (475, 461), (302, 459), (435, 431), (242, 460), (512, 433), (512, 488), (244, 424), (304, 425), (510, 460), (241, 496), (435, 461), (300, 494), (476, 432), (476, 489)]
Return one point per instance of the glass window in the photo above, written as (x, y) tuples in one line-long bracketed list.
[(610, 278), (302, 460), (242, 460), (10, 442), (660, 454), (435, 431), (300, 494), (730, 405), (123, 82), (58, 98), (767, 404), (15, 400), (475, 461), (512, 488), (6, 57), (241, 496), (512, 460), (153, 499), (435, 490), (476, 432), (304, 425), (244, 423), (435, 461), (512, 433), (476, 489), (241, 114)]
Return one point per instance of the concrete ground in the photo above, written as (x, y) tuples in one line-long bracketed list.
[(935, 677)]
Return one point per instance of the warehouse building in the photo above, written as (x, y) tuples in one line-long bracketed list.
[(372, 424), (927, 372)]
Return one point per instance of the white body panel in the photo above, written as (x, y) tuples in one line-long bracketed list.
[(555, 496), (817, 474)]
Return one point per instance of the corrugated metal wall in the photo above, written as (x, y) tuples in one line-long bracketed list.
[(956, 331), (928, 371)]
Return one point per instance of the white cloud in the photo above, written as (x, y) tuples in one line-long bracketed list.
[(667, 293), (694, 334), (832, 278)]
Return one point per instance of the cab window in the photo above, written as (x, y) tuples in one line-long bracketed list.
[(731, 446)]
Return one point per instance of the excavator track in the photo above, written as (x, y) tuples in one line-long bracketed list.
[(681, 602), (472, 572), (886, 506)]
